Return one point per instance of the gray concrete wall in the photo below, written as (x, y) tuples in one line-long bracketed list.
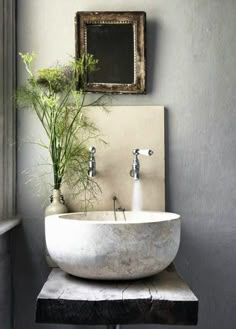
[(191, 48), (5, 283)]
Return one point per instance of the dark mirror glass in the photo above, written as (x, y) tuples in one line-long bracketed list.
[(113, 46)]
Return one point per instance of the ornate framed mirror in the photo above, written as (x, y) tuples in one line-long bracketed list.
[(117, 40)]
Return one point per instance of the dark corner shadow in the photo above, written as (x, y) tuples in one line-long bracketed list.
[(29, 271), (152, 38)]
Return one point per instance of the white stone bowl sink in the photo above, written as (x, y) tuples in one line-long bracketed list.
[(93, 245)]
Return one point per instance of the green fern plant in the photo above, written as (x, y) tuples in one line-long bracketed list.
[(61, 109)]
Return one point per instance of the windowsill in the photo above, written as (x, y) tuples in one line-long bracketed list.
[(7, 225)]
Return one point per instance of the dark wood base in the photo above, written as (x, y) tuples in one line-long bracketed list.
[(162, 299)]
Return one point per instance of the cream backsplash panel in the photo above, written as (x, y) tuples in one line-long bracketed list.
[(126, 128)]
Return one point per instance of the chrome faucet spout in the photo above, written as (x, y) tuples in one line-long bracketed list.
[(92, 162), (134, 172)]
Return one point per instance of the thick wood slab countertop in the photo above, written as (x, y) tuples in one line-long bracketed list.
[(163, 299)]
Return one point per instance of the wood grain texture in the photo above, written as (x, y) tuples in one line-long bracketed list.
[(163, 299)]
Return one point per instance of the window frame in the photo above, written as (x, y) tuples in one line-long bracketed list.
[(7, 109)]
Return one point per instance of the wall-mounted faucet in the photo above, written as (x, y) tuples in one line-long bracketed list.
[(92, 162), (134, 172)]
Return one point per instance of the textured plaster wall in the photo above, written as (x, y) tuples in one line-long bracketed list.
[(191, 48)]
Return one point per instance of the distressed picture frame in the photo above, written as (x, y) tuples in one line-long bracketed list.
[(117, 41)]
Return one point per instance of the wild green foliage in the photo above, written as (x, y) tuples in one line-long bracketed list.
[(62, 110)]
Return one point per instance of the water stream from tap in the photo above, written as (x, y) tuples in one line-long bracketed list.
[(137, 200)]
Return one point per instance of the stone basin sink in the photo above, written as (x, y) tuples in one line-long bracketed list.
[(94, 245)]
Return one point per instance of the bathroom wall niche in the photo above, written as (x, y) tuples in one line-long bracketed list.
[(117, 40)]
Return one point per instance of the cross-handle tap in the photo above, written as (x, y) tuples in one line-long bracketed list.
[(92, 162), (134, 172)]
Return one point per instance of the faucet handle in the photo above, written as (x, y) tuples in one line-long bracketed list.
[(146, 152), (134, 172)]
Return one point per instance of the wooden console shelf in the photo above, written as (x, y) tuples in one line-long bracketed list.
[(162, 299)]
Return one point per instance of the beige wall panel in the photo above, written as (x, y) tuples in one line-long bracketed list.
[(126, 128)]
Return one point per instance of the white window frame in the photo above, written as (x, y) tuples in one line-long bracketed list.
[(7, 109)]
